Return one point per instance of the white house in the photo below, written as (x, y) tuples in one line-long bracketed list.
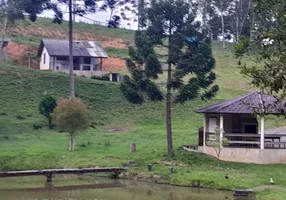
[(3, 43), (87, 59)]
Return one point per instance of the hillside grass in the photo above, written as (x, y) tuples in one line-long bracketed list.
[(38, 30), (118, 53), (116, 124)]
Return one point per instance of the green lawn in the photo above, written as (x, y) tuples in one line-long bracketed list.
[(23, 147), (272, 194)]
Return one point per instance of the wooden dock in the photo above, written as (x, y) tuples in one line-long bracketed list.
[(50, 172)]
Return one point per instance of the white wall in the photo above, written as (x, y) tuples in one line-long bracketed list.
[(257, 156), (45, 65), (227, 121), (87, 74)]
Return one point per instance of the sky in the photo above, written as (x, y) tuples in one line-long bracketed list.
[(98, 17)]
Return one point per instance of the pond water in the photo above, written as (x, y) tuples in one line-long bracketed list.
[(94, 188)]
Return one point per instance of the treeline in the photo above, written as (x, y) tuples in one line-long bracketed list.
[(228, 18)]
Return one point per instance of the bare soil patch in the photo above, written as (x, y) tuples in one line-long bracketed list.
[(17, 54), (16, 50), (114, 64), (116, 129)]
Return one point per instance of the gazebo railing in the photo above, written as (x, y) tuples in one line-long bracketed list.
[(248, 140)]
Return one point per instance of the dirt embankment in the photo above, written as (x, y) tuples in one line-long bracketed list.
[(114, 65), (19, 53)]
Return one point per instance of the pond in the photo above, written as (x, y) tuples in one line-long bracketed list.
[(94, 188)]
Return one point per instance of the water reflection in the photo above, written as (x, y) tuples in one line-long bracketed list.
[(91, 188)]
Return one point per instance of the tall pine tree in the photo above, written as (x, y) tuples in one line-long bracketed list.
[(168, 27)]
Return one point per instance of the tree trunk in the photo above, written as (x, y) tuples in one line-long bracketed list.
[(204, 14), (222, 25), (72, 143), (222, 30), (50, 123), (237, 29), (169, 103), (74, 10), (2, 39), (251, 22), (72, 91), (169, 114), (140, 12)]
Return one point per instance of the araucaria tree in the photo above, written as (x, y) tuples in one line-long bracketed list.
[(170, 42), (71, 115)]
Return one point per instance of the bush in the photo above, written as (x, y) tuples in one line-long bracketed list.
[(102, 78), (46, 108), (241, 47), (71, 115)]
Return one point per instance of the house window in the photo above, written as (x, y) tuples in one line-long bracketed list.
[(75, 60), (87, 60), (62, 58), (212, 124), (76, 67), (44, 58), (86, 67)]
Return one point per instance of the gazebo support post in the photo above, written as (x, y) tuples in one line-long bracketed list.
[(221, 129), (205, 130), (262, 133)]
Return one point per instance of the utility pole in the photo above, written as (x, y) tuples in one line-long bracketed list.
[(72, 90), (74, 10), (4, 58)]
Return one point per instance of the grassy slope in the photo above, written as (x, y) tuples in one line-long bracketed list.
[(44, 28), (22, 147), (37, 29)]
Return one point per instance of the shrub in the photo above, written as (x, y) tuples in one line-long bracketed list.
[(102, 78), (71, 115), (46, 108)]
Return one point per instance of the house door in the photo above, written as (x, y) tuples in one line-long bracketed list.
[(114, 77), (76, 65), (212, 124)]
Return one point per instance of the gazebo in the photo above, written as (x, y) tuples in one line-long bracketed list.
[(237, 120)]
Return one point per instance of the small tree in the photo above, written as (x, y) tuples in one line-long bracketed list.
[(46, 108), (217, 143), (71, 115)]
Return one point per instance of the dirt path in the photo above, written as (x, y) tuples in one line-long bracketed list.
[(268, 187)]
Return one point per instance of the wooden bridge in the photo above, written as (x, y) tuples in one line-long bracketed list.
[(50, 172)]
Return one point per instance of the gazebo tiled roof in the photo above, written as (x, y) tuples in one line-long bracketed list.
[(254, 102)]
